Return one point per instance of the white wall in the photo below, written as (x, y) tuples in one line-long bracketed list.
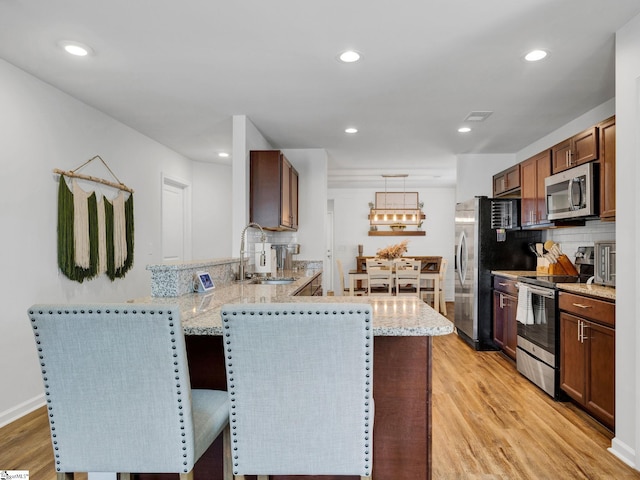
[(475, 174), (311, 165), (42, 128), (351, 227), (626, 443), (211, 218)]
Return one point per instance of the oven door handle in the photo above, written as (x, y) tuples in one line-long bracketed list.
[(543, 292)]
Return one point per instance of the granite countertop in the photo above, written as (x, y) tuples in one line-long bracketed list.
[(513, 274), (596, 291), (392, 316)]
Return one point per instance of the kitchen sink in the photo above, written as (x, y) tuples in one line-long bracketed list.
[(273, 280)]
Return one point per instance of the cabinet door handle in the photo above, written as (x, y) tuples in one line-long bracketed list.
[(580, 331), (579, 305), (503, 284)]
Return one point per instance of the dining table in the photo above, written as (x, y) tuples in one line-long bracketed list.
[(355, 276)]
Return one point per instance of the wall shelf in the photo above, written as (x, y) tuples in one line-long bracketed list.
[(387, 233)]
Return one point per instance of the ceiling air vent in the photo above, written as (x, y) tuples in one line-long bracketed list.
[(477, 116)]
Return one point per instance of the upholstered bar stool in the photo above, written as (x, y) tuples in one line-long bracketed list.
[(118, 391), (300, 382)]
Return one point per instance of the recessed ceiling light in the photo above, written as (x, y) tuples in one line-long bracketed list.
[(535, 55), (76, 48), (223, 154), (464, 130), (349, 56), (350, 130)]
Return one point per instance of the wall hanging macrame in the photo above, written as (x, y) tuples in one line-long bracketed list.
[(95, 236)]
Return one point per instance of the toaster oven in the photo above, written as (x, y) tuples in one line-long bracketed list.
[(605, 263)]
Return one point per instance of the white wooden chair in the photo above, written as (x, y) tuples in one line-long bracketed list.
[(408, 277), (379, 277), (345, 290), (428, 291)]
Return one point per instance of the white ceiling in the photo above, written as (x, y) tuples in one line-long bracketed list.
[(178, 71)]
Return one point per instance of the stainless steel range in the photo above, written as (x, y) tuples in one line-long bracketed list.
[(538, 351)]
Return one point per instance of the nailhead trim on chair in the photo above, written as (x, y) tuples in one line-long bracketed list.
[(367, 396), (179, 394)]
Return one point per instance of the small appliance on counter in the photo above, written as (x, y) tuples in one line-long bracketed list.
[(285, 253), (585, 263), (605, 263)]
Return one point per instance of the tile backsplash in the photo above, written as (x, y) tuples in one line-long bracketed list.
[(570, 238)]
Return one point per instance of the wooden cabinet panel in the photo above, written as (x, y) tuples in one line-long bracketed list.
[(506, 181), (608, 169), (505, 327), (587, 354), (572, 358), (273, 191), (579, 149), (600, 394), (533, 171), (586, 307)]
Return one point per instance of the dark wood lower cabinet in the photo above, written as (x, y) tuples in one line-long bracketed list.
[(587, 372), (505, 325), (402, 394)]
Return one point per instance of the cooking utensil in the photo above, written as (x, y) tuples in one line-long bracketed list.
[(540, 249), (548, 245), (532, 247)]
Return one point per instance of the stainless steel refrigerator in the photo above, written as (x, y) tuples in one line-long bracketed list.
[(480, 249)]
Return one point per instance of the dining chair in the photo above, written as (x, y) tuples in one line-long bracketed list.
[(345, 290), (429, 290), (379, 277), (300, 382), (408, 277), (118, 392)]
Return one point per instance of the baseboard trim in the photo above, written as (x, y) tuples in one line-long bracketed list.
[(21, 410), (623, 452)]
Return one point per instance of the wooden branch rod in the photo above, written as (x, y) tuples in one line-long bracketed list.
[(120, 186)]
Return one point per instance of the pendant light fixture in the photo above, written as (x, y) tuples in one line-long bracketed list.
[(396, 209)]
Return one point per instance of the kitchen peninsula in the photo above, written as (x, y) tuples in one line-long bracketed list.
[(403, 328)]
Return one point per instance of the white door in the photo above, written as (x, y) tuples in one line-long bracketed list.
[(176, 221)]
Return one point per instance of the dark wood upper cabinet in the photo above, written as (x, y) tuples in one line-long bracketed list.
[(579, 149), (607, 163), (507, 182), (533, 171), (273, 191)]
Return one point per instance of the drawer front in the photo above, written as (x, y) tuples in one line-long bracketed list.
[(506, 285), (586, 307)]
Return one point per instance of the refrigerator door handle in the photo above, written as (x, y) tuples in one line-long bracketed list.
[(463, 258)]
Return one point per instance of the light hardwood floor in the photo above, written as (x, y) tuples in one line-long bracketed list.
[(489, 423)]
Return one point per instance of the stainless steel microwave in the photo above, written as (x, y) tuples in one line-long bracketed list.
[(571, 194)]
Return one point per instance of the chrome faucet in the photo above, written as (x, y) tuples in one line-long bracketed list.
[(263, 258)]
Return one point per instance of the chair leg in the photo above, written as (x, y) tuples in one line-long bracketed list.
[(227, 472), (443, 304), (263, 477), (187, 476), (64, 476), (123, 476)]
